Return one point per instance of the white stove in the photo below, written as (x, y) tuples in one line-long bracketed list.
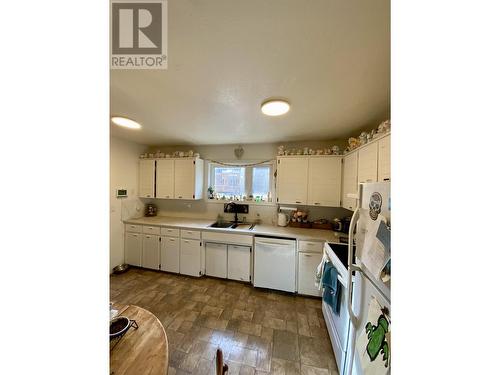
[(338, 325)]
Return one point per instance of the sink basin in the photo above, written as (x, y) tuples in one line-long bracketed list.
[(245, 226), (231, 225), (223, 224)]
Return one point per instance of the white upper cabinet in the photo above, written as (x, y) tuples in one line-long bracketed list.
[(384, 159), (367, 163), (171, 178), (292, 180), (325, 180), (188, 178), (147, 178), (165, 179), (350, 181)]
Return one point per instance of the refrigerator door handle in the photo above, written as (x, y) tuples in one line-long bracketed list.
[(351, 267)]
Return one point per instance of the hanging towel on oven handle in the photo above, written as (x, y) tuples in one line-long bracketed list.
[(319, 272), (331, 288)]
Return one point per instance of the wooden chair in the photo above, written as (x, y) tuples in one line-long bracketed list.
[(221, 367)]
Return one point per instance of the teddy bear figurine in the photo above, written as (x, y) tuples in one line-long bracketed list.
[(384, 127), (353, 143)]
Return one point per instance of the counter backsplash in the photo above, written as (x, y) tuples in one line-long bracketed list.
[(205, 210)]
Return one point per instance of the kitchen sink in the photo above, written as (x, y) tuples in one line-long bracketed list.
[(244, 226), (223, 224), (232, 225)]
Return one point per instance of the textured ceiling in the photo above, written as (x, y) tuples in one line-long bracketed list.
[(329, 58)]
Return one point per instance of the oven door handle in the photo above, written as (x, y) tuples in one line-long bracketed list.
[(351, 267)]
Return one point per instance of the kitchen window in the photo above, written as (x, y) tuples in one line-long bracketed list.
[(241, 183)]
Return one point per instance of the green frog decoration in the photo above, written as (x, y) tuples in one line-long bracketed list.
[(377, 342)]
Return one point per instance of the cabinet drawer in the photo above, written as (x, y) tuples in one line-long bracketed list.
[(150, 229), (172, 232), (192, 234), (311, 246), (134, 228)]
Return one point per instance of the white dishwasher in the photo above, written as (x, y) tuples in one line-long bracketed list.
[(275, 263)]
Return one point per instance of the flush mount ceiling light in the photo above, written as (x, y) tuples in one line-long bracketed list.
[(275, 107), (125, 122)]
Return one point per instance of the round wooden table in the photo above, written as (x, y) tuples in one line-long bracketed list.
[(139, 351)]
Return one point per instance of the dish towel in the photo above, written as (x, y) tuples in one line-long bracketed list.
[(331, 289), (319, 272)]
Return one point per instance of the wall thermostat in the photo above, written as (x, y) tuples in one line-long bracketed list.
[(121, 193)]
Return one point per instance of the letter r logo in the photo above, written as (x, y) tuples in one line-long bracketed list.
[(137, 28)]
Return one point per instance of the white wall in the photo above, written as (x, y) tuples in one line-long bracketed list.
[(210, 210), (124, 173)]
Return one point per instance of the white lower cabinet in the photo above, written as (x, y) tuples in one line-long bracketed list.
[(190, 257), (238, 262), (133, 248), (308, 263), (169, 254), (216, 259), (151, 251)]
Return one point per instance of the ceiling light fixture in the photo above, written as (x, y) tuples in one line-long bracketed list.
[(275, 107), (125, 122)]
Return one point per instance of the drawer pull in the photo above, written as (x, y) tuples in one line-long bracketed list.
[(298, 202), (386, 179), (180, 196), (317, 204)]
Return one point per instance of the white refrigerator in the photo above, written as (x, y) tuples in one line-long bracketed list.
[(369, 344)]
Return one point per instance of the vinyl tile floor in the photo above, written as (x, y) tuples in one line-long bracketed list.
[(259, 331)]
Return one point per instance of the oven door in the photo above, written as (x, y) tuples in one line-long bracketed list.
[(340, 322)]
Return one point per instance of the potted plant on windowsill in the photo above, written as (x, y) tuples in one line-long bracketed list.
[(210, 191)]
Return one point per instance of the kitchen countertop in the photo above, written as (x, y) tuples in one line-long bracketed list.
[(259, 229)]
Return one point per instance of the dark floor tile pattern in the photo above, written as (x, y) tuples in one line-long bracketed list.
[(259, 331)]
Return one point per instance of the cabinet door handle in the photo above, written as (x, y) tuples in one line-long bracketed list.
[(386, 179), (135, 235), (180, 196), (167, 196), (317, 204), (307, 255), (172, 239), (148, 236), (298, 202)]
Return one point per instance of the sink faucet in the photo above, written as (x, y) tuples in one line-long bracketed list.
[(235, 210)]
